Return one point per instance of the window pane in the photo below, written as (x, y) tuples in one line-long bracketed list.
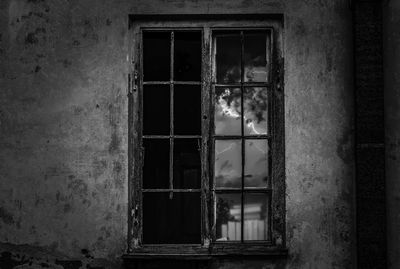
[(187, 54), (256, 163), (171, 221), (187, 165), (228, 163), (227, 111), (187, 110), (228, 214), (156, 163), (256, 224), (156, 106), (255, 110), (256, 51), (228, 56), (156, 56)]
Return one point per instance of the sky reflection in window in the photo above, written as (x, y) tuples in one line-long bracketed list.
[(228, 163), (227, 111)]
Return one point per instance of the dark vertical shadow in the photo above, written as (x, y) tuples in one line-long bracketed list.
[(370, 147)]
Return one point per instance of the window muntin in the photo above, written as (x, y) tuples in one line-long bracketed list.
[(275, 242)]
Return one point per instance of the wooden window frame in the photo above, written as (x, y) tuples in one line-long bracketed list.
[(208, 248)]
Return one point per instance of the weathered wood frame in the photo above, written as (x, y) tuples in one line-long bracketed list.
[(207, 248)]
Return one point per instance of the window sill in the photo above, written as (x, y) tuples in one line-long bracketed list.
[(153, 256), (201, 253)]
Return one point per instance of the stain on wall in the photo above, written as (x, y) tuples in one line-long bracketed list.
[(63, 130)]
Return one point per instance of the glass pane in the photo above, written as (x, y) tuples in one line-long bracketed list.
[(156, 164), (256, 163), (228, 214), (171, 221), (227, 111), (228, 56), (156, 56), (156, 106), (255, 111), (187, 165), (187, 110), (187, 54), (256, 51), (256, 224), (228, 163)]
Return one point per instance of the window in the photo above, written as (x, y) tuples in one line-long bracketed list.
[(206, 137)]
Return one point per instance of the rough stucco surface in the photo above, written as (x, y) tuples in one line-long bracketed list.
[(63, 130)]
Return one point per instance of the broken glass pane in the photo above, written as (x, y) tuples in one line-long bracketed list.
[(187, 54), (256, 53), (255, 111), (171, 221), (187, 110), (228, 216), (156, 163), (228, 163), (228, 57), (256, 163), (227, 111), (187, 165), (256, 226), (156, 56), (156, 110)]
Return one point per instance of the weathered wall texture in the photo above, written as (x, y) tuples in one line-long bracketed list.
[(63, 129)]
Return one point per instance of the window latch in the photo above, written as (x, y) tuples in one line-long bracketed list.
[(198, 145)]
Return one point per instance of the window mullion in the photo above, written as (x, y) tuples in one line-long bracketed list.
[(242, 130), (206, 119), (171, 111)]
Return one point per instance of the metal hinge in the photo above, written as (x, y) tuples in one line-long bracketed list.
[(133, 82), (279, 75), (135, 215), (135, 223)]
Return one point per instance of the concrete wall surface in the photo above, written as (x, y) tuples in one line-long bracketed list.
[(64, 122)]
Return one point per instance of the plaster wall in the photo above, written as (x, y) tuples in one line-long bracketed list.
[(63, 130)]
